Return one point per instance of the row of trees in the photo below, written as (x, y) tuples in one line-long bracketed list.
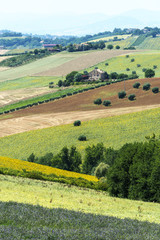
[(85, 47)]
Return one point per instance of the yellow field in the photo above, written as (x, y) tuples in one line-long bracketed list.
[(20, 165), (111, 38)]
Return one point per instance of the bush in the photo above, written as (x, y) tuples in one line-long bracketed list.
[(77, 123), (136, 85), (138, 65), (131, 97), (82, 138), (144, 69), (106, 102), (155, 90), (101, 170), (127, 56), (132, 60), (127, 69), (117, 47), (149, 73), (146, 86), (133, 72), (154, 66), (122, 94), (106, 64), (98, 101)]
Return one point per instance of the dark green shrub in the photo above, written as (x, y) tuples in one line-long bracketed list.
[(69, 94), (77, 123), (101, 170), (106, 103), (133, 72), (146, 86), (132, 60), (155, 90), (149, 73), (154, 66), (127, 69), (138, 65), (127, 56), (136, 85), (144, 69), (106, 64), (98, 101), (131, 97), (122, 94), (82, 138)]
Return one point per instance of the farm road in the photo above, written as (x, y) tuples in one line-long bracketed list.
[(39, 121)]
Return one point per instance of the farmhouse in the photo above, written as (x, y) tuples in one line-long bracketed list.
[(96, 74)]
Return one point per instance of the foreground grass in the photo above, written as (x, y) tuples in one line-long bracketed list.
[(119, 64), (23, 221), (56, 195), (112, 131)]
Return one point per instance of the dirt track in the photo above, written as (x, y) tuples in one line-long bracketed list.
[(39, 121)]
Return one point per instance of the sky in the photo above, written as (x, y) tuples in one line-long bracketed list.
[(50, 16), (112, 7)]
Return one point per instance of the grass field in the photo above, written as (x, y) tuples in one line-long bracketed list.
[(119, 64), (112, 131), (28, 82), (110, 38), (150, 43), (123, 43), (39, 65), (56, 195)]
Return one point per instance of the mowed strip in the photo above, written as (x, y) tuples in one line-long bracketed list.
[(83, 61)]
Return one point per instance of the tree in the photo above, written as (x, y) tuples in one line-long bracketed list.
[(113, 75), (98, 101), (70, 76), (36, 51), (93, 156), (101, 44), (31, 158), (117, 47), (110, 46), (149, 73), (122, 94), (77, 77), (77, 123), (60, 83)]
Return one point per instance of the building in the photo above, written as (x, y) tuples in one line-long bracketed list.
[(97, 74)]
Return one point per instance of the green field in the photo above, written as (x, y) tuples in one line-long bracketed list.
[(123, 43), (39, 65), (112, 131), (150, 43), (74, 198), (28, 82), (119, 64), (110, 38)]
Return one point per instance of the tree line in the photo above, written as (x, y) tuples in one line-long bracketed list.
[(132, 172)]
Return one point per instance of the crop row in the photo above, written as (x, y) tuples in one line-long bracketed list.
[(38, 101)]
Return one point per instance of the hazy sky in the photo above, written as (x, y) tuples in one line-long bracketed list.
[(83, 6)]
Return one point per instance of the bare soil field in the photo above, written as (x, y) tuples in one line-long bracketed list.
[(81, 107), (82, 62)]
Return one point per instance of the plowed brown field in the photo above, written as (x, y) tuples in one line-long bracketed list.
[(81, 107)]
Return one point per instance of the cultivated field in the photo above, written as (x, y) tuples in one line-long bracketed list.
[(56, 65), (146, 59), (111, 38), (112, 131)]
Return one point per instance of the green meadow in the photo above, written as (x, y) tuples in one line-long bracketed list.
[(119, 64), (112, 131), (40, 65), (56, 195)]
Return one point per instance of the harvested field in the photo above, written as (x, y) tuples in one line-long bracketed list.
[(12, 96), (40, 121), (82, 62), (81, 107)]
